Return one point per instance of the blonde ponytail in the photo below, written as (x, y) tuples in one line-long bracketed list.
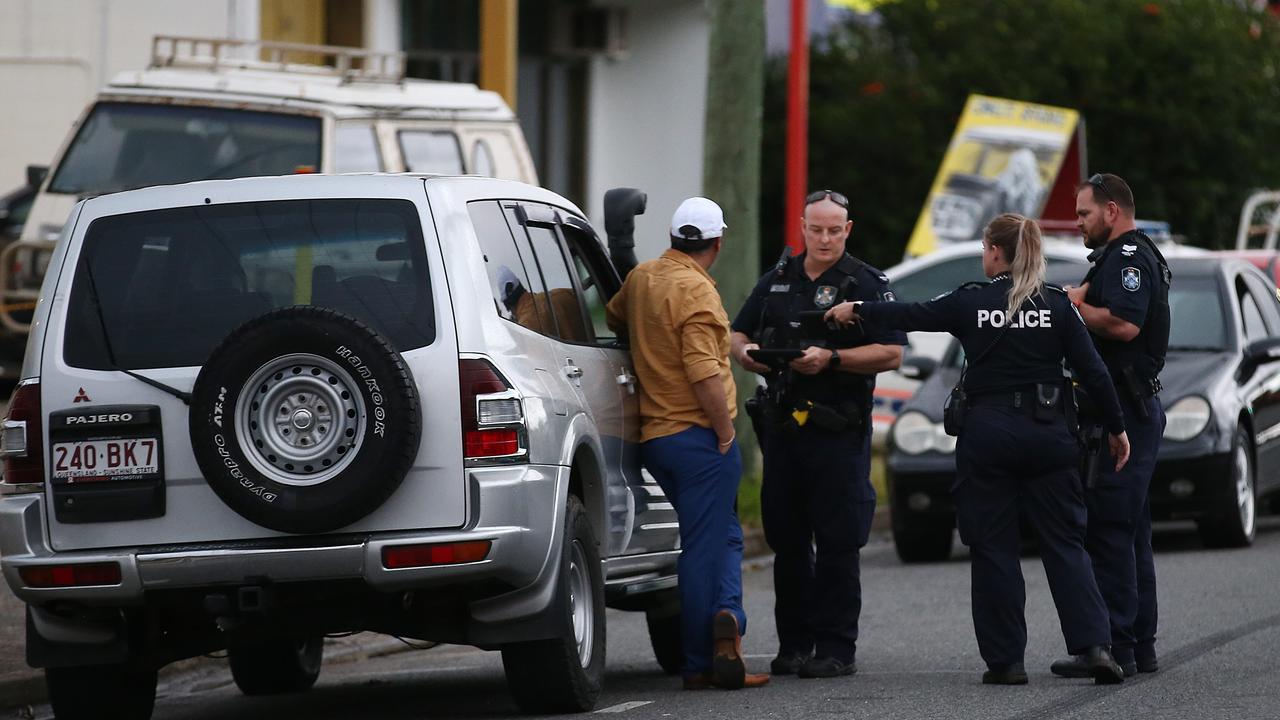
[(1019, 240)]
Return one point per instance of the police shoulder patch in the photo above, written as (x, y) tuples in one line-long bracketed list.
[(1131, 279)]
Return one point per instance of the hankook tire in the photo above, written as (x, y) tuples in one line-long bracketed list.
[(304, 420)]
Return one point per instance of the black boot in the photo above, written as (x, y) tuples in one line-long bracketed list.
[(1072, 667), (1013, 674), (1102, 667)]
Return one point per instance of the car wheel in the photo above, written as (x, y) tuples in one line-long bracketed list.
[(304, 420), (665, 637), (565, 674), (125, 692), (922, 542), (278, 665), (1235, 523)]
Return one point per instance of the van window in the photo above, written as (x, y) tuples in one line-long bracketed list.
[(123, 146), (431, 151), (481, 159), (170, 284), (355, 149)]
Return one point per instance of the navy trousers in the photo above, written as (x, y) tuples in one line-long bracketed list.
[(1119, 537), (1008, 463), (702, 486), (817, 491)]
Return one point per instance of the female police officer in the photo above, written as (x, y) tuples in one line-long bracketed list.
[(1015, 452)]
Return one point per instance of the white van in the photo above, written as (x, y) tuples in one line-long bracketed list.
[(210, 109)]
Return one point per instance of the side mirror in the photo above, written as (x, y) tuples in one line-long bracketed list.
[(36, 174), (1263, 351), (918, 367), (1260, 352), (621, 206)]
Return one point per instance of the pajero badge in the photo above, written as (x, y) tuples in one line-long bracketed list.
[(1131, 279), (825, 297)]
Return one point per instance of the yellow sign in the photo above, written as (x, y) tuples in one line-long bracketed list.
[(1004, 157)]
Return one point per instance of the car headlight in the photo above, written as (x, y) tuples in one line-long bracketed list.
[(915, 433), (1187, 418)]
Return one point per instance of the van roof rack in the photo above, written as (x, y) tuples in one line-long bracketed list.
[(216, 53)]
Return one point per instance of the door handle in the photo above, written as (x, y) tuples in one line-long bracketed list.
[(629, 380), (573, 371)]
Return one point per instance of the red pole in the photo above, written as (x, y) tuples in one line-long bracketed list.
[(797, 123)]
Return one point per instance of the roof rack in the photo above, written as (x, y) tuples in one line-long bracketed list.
[(1260, 217), (347, 62)]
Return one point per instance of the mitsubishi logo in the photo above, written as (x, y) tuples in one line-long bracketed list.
[(81, 396)]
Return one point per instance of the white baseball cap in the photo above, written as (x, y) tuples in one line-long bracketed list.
[(702, 214)]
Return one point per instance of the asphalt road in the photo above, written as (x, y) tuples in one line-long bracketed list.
[(1219, 645)]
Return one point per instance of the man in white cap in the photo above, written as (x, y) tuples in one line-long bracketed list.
[(679, 336)]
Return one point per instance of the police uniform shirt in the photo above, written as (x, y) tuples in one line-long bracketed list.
[(779, 297), (1032, 343), (1123, 280)]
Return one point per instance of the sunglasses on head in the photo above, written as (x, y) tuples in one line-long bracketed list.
[(821, 195), (1099, 183)]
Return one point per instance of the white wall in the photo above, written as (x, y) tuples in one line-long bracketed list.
[(55, 54), (645, 115)]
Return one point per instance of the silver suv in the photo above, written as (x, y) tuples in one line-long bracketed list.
[(255, 412)]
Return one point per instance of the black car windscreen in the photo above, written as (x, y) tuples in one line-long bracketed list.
[(123, 146), (173, 283), (1196, 319)]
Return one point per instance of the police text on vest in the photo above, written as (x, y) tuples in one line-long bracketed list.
[(1021, 319)]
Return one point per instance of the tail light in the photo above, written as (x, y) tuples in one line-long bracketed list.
[(492, 416), (22, 440), (408, 556), (80, 574)]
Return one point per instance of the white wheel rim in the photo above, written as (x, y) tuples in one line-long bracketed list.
[(299, 419), (1244, 490), (581, 602)]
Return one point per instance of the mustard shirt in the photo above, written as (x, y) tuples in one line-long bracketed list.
[(679, 335)]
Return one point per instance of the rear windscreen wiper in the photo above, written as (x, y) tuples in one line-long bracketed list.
[(185, 397)]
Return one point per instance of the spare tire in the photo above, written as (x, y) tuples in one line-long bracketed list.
[(304, 420)]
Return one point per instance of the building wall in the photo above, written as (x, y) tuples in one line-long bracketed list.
[(645, 115), (55, 54)]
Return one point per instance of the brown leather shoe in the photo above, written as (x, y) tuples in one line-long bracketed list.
[(704, 681), (701, 681), (727, 667)]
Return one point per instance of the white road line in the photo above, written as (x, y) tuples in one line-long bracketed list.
[(623, 707)]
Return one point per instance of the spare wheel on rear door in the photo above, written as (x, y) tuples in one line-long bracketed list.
[(304, 420)]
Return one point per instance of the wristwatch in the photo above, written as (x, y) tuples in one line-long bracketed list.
[(834, 362)]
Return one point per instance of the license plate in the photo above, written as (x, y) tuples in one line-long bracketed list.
[(101, 459)]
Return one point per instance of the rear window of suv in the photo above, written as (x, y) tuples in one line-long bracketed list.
[(172, 283)]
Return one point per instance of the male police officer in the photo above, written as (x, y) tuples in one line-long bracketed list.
[(1125, 303), (816, 436)]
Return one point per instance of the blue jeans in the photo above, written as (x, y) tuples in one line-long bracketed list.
[(702, 486)]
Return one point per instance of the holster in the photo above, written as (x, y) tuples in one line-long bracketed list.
[(1134, 387), (953, 411), (1048, 402)]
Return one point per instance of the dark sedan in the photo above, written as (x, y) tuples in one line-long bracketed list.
[(1220, 458)]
